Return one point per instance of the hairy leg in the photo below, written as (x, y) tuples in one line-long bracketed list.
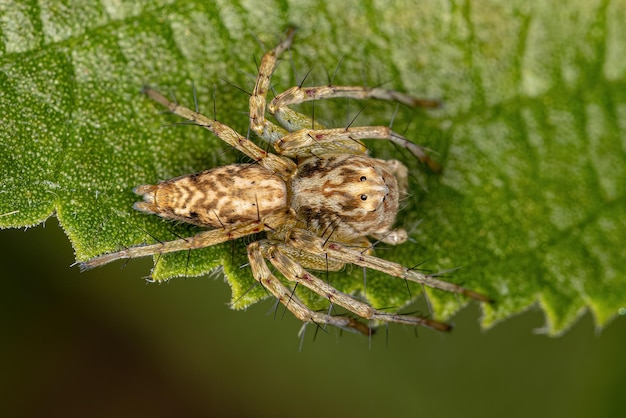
[(306, 241), (258, 100), (287, 297), (293, 271), (200, 240), (307, 142), (277, 164)]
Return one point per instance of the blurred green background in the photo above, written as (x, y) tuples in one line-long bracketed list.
[(104, 343)]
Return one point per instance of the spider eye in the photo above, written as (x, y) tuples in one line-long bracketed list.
[(363, 197), (363, 178)]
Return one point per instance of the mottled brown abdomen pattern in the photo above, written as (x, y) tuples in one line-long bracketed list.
[(221, 196)]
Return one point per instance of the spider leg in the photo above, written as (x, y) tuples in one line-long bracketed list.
[(200, 240), (304, 240), (290, 119), (298, 94), (305, 142), (280, 110), (258, 100), (295, 122), (293, 271), (277, 164), (393, 237), (263, 275)]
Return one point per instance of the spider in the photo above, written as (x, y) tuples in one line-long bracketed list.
[(317, 199)]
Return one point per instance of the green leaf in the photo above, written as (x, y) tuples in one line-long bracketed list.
[(532, 138)]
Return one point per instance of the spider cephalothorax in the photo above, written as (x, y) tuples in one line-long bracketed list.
[(318, 199), (344, 195)]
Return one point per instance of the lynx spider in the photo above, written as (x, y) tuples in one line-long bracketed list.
[(317, 200)]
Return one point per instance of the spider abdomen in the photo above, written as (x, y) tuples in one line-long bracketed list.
[(221, 196)]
